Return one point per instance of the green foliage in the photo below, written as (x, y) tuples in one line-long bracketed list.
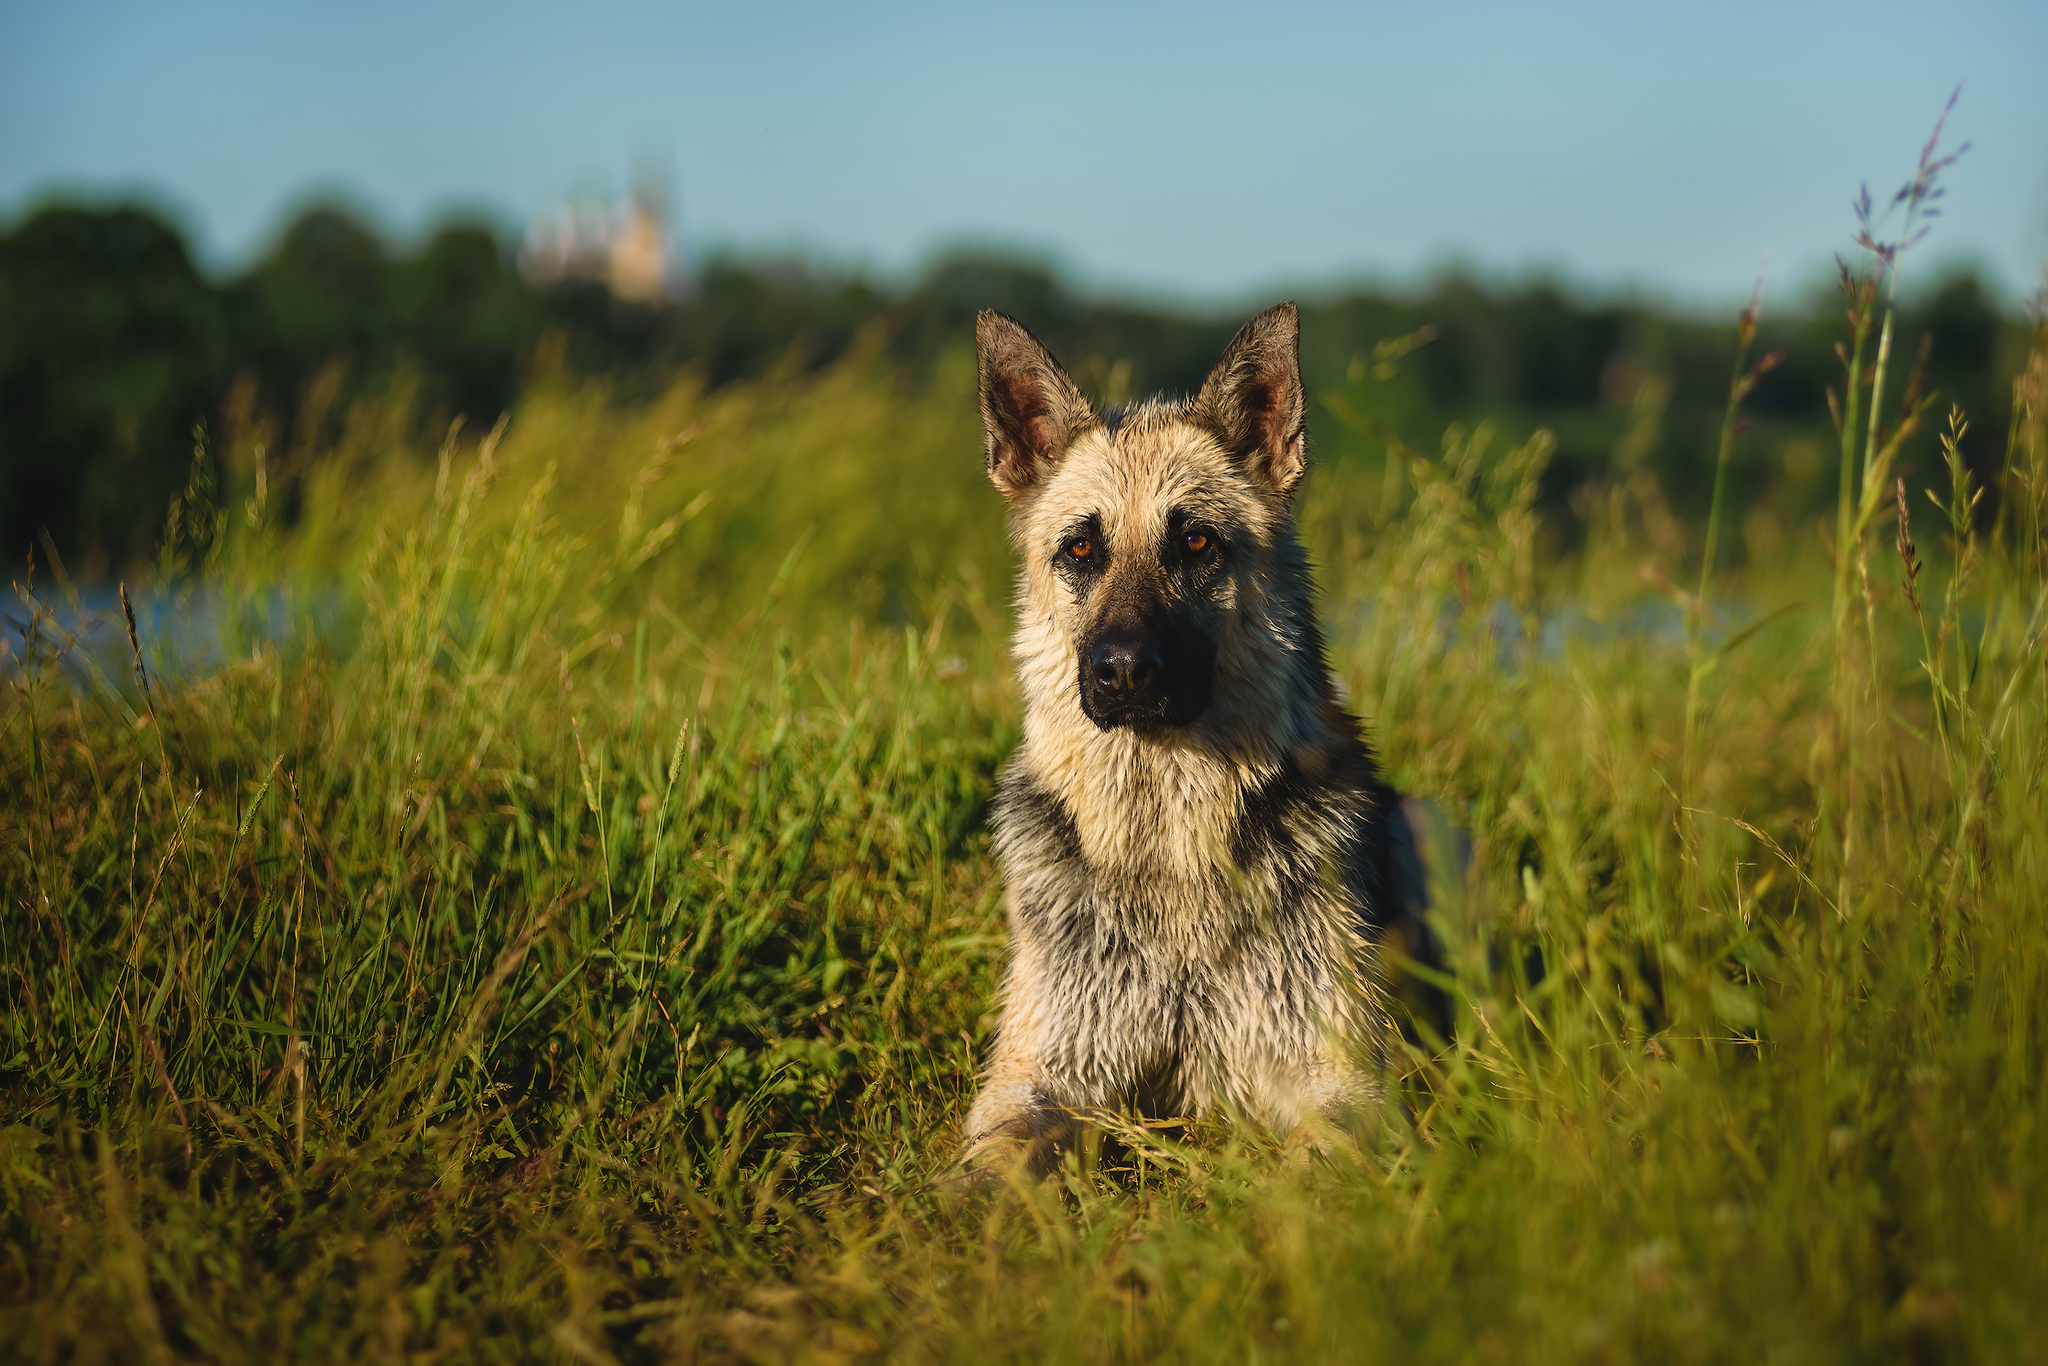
[(552, 918), (112, 351), (111, 346)]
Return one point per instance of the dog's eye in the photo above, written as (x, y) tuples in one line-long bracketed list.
[(1080, 547), (1196, 542)]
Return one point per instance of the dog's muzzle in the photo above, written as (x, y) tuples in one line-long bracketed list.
[(1136, 679)]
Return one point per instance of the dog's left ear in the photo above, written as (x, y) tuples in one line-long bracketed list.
[(1253, 399)]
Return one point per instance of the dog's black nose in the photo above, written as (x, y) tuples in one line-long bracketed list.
[(1126, 667)]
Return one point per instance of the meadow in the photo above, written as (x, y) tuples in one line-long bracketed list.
[(543, 908)]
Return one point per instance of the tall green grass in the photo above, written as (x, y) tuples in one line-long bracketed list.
[(557, 922)]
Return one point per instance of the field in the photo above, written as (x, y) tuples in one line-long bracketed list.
[(534, 902)]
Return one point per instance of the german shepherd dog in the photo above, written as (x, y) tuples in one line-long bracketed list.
[(1200, 854)]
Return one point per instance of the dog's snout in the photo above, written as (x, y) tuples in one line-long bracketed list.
[(1127, 667), (1148, 671)]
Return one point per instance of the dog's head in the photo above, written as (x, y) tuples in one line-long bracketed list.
[(1151, 536)]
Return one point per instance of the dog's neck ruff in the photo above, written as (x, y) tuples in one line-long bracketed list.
[(1171, 803)]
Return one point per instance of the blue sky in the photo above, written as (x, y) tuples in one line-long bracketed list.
[(1205, 152)]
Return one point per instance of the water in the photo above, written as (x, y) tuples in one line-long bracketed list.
[(183, 631)]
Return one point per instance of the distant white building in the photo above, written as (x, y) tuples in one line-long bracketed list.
[(624, 247)]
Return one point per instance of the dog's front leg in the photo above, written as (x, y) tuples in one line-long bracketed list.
[(1016, 1123), (1012, 1127)]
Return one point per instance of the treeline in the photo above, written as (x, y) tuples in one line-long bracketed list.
[(114, 346)]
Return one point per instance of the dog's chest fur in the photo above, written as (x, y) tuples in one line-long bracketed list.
[(1174, 909)]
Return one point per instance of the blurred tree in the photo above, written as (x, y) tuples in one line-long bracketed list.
[(111, 348), (324, 295), (463, 318), (745, 319), (1965, 366), (1164, 351)]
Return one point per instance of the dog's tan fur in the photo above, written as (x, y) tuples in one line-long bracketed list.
[(1190, 905)]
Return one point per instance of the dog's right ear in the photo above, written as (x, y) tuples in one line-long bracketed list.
[(1031, 409)]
